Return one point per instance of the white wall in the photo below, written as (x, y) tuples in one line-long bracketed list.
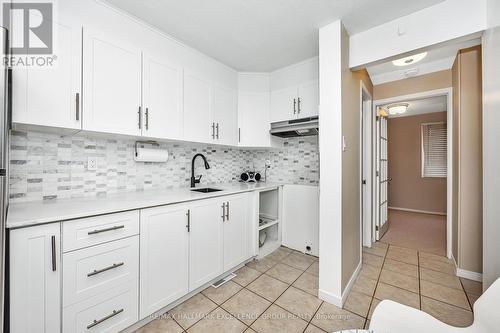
[(447, 20), (491, 137), (330, 139)]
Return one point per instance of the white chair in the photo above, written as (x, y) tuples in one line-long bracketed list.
[(392, 317)]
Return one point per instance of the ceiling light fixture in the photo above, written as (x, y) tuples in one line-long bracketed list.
[(397, 109), (406, 61)]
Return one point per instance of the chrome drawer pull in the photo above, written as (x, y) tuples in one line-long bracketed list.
[(98, 271), (97, 231), (111, 315)]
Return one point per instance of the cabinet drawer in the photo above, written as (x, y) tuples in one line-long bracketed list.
[(92, 271), (111, 311), (90, 231)]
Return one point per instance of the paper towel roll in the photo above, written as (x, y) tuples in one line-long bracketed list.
[(151, 155)]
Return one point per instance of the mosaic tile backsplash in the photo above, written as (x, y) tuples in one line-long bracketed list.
[(49, 166)]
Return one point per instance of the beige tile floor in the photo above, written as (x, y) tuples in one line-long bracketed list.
[(279, 294)]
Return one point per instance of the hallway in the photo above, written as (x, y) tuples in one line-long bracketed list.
[(422, 232)]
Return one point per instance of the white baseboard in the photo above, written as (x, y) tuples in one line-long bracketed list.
[(475, 276), (336, 300), (417, 211), (330, 298), (353, 278)]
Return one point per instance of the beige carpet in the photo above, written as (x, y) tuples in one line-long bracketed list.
[(423, 232)]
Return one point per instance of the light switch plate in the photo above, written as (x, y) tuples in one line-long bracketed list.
[(92, 163)]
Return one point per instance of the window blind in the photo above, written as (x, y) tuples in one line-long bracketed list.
[(434, 146)]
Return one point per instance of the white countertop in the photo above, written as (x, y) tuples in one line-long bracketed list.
[(39, 212)]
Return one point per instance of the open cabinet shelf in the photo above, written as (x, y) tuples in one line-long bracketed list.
[(269, 224)]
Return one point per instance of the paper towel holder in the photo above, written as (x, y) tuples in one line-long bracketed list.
[(150, 146)]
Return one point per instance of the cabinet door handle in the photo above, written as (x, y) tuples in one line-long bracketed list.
[(217, 128), (77, 101), (98, 231), (98, 321), (98, 271), (239, 134), (294, 106), (227, 211), (298, 105), (213, 131), (188, 225), (147, 119), (223, 212), (139, 113), (53, 244)]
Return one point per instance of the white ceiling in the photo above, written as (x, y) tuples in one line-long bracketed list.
[(422, 106), (438, 58), (262, 35)]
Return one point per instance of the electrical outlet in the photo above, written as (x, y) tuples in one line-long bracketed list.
[(92, 163)]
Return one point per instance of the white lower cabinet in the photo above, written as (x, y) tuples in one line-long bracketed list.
[(35, 279), (120, 268), (92, 271), (235, 231), (164, 257), (110, 311), (205, 241)]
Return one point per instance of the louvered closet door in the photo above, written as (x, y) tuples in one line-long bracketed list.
[(382, 221)]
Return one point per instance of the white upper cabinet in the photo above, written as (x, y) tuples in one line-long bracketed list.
[(225, 111), (51, 95), (295, 91), (284, 104), (253, 110), (308, 99), (197, 109), (162, 98), (112, 85)]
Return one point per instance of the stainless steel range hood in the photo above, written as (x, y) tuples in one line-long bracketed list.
[(296, 127)]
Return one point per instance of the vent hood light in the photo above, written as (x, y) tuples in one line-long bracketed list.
[(407, 61), (397, 109)]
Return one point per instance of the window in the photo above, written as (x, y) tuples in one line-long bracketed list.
[(434, 145)]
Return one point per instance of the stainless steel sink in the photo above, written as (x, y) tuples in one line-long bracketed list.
[(206, 190)]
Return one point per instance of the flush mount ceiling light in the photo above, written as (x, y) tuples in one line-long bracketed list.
[(406, 61), (397, 109)]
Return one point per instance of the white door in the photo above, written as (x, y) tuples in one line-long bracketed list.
[(308, 99), (162, 99), (112, 85), (235, 233), (382, 220), (300, 218), (253, 117), (225, 110), (197, 107), (205, 242), (164, 257), (35, 279), (51, 95), (283, 104)]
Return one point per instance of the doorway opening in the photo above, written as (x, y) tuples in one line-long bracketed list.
[(412, 137)]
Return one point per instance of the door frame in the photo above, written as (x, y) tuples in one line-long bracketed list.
[(366, 157), (448, 92)]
